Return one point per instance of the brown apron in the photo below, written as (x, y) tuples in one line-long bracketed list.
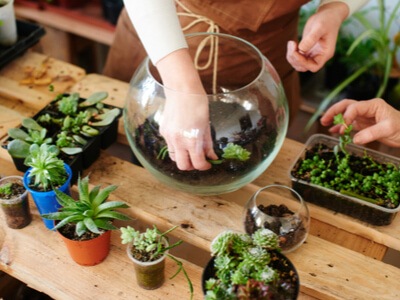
[(267, 24)]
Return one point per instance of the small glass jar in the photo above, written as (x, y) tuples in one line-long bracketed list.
[(282, 210)]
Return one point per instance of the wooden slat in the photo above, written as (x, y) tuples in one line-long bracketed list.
[(365, 239), (279, 172), (68, 22), (63, 76), (38, 257), (327, 271), (22, 251)]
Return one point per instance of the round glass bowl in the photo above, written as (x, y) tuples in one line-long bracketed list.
[(282, 210), (247, 107)]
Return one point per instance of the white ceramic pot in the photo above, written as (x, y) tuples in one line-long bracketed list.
[(8, 24)]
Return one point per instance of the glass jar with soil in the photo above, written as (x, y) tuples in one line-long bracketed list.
[(281, 210), (247, 112), (14, 202)]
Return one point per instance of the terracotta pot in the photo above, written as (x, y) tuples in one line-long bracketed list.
[(89, 252), (149, 275)]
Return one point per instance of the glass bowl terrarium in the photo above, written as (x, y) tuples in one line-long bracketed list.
[(247, 109)]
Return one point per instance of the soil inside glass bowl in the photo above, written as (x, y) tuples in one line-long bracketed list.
[(259, 139)]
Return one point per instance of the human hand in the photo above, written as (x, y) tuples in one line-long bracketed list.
[(319, 38), (185, 126), (373, 119), (185, 123)]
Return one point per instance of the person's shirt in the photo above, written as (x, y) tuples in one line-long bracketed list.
[(157, 24)]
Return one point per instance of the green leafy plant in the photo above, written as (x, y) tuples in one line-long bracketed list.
[(47, 170), (242, 266), (379, 63), (6, 189), (345, 138), (231, 151), (90, 212), (149, 246), (23, 139), (361, 177), (68, 105)]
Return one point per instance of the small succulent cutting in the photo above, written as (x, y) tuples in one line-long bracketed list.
[(344, 138), (149, 246), (231, 151)]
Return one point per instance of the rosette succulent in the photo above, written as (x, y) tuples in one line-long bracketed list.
[(243, 266)]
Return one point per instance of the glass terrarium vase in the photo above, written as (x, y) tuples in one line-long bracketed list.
[(247, 108)]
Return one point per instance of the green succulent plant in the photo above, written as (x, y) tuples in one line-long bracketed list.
[(68, 105), (90, 212), (23, 139), (242, 260), (231, 151), (47, 170), (345, 138), (6, 189), (149, 246)]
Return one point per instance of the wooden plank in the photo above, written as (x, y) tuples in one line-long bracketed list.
[(11, 114), (21, 251), (365, 239), (278, 172), (63, 75), (20, 100), (68, 22), (327, 271), (38, 257)]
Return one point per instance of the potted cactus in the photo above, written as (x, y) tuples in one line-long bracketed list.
[(46, 173), (14, 202), (85, 224), (148, 251)]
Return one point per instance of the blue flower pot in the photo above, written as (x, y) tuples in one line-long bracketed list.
[(46, 202)]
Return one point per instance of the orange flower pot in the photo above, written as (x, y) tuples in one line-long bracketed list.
[(89, 252)]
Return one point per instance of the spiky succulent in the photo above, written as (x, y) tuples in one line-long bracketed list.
[(47, 170), (90, 212)]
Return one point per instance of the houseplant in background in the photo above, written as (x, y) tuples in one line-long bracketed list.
[(249, 267), (148, 251), (46, 174), (380, 63), (14, 202), (85, 224)]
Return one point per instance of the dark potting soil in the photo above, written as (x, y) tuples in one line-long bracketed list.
[(258, 139), (68, 231), (288, 239), (17, 190), (18, 214)]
